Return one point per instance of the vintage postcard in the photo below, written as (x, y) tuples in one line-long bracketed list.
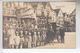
[(39, 25)]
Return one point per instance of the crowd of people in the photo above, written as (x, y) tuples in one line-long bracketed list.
[(16, 34), (20, 36)]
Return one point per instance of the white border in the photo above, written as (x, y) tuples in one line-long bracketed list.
[(77, 50)]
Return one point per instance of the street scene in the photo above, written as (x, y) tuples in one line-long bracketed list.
[(39, 25)]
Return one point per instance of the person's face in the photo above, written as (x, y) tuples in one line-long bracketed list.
[(17, 34)]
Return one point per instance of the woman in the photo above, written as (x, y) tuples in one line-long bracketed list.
[(11, 37)]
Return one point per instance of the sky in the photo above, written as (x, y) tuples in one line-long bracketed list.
[(67, 7)]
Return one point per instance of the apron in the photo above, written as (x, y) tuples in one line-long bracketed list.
[(12, 37)]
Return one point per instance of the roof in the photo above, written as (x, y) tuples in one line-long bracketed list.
[(44, 4), (57, 11), (49, 5), (34, 4), (74, 12)]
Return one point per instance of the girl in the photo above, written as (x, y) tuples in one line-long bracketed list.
[(38, 40), (17, 40), (21, 40)]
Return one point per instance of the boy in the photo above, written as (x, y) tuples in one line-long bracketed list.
[(29, 40), (34, 39), (26, 38)]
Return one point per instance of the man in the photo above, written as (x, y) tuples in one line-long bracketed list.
[(62, 33), (58, 36), (52, 35)]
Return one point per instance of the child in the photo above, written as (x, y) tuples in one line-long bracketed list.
[(43, 39), (34, 39), (29, 40), (25, 37), (17, 40), (21, 40), (38, 40)]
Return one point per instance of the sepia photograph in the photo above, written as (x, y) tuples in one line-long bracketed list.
[(39, 25)]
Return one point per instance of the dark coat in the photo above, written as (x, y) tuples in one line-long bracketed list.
[(62, 32)]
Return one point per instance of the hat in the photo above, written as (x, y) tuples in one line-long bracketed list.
[(29, 33), (38, 32), (21, 31), (34, 32), (16, 31)]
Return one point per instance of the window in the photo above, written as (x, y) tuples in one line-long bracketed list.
[(4, 11), (22, 10), (8, 4), (12, 12), (8, 11), (4, 3)]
